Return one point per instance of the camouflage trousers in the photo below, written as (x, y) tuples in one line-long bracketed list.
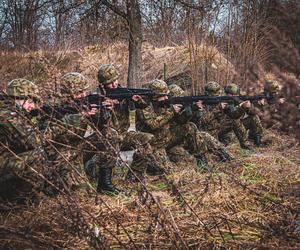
[(66, 167), (228, 125), (187, 136), (100, 150), (21, 172), (253, 124), (142, 143), (211, 146), (107, 150)]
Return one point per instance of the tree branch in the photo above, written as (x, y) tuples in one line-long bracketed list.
[(190, 5), (114, 8)]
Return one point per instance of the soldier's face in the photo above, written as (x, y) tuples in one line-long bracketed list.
[(28, 105), (80, 94), (112, 85), (162, 98)]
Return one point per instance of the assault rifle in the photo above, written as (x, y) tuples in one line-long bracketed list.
[(213, 100), (59, 112), (94, 100), (120, 94)]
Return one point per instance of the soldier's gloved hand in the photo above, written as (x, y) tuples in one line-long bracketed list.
[(136, 98), (109, 104), (177, 108), (223, 105), (281, 100), (245, 104), (262, 102), (199, 105), (92, 111)]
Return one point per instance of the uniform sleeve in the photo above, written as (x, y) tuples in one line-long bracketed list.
[(71, 125), (184, 116), (155, 121), (234, 112), (141, 104), (19, 134)]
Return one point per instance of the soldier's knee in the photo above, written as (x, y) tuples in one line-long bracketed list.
[(190, 127)]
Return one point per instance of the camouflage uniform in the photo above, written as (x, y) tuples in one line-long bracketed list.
[(270, 113), (212, 144), (73, 147), (220, 122), (21, 153), (250, 119), (178, 153), (159, 121), (140, 141)]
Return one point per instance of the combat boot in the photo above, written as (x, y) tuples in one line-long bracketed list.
[(105, 182), (224, 156), (245, 145), (154, 170), (258, 142), (224, 139), (90, 170), (202, 163), (153, 167)]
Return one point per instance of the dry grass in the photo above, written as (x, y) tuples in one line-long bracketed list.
[(250, 203), (46, 67)]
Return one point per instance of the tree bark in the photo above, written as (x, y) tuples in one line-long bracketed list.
[(135, 43)]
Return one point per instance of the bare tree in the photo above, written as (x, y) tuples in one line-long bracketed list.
[(132, 16)]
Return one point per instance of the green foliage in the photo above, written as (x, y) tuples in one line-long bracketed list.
[(250, 174), (270, 198), (157, 186)]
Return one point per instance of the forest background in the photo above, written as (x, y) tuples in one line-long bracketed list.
[(250, 203)]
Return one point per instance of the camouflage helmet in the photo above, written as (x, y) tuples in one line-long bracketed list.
[(232, 89), (22, 88), (175, 90), (107, 74), (271, 86), (73, 82), (159, 87), (212, 88)]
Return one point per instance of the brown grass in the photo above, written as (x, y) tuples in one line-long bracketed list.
[(250, 203), (46, 67)]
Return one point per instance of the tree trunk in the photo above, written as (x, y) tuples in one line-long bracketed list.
[(135, 43)]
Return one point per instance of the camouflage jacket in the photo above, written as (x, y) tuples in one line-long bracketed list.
[(210, 119), (268, 113), (18, 131), (120, 117), (21, 131), (158, 121), (68, 129)]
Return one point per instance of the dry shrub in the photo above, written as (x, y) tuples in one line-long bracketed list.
[(46, 68), (249, 203)]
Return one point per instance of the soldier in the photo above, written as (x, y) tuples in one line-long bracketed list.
[(178, 153), (100, 146), (220, 120), (268, 110), (159, 120), (21, 155), (143, 157), (250, 119), (212, 144)]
